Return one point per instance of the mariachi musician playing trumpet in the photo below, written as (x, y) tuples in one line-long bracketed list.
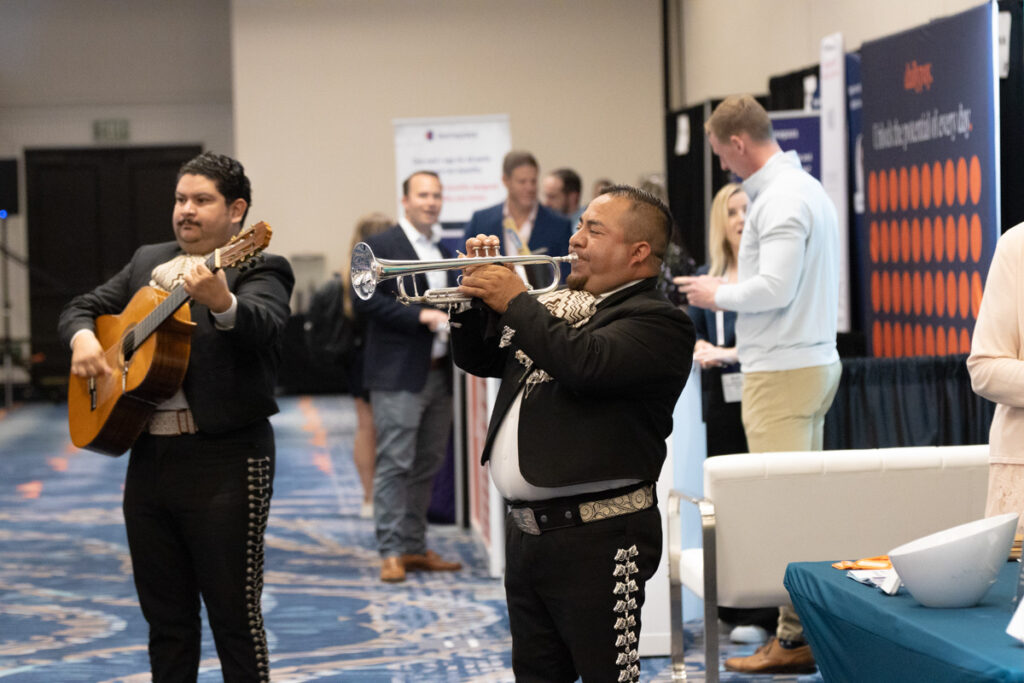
[(590, 377), (199, 481)]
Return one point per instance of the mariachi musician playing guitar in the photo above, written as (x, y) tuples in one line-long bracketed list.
[(189, 388)]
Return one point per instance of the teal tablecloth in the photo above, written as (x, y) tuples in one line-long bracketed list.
[(858, 633)]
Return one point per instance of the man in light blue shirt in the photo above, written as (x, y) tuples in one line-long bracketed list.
[(786, 299)]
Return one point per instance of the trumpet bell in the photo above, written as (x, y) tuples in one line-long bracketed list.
[(364, 271)]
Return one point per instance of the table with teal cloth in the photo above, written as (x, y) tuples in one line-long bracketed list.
[(858, 633)]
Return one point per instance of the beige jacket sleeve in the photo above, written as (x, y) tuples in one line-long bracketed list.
[(995, 364)]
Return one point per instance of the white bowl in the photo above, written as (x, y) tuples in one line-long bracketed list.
[(955, 567)]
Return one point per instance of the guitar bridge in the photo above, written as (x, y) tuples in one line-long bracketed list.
[(92, 393)]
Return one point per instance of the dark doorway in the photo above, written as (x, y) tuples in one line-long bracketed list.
[(88, 210)]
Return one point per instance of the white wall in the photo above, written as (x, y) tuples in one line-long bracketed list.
[(318, 83), (164, 67), (304, 92), (734, 46)]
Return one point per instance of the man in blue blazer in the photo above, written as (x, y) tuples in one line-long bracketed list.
[(407, 369), (521, 223)]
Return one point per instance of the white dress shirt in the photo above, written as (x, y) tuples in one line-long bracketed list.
[(427, 250), (504, 461)]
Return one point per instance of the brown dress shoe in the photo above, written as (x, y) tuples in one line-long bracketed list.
[(772, 658), (429, 562), (392, 570)]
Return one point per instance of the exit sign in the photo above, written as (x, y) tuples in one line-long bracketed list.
[(110, 130)]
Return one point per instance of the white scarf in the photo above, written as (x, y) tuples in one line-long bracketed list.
[(169, 275)]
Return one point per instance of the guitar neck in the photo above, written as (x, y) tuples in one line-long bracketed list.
[(164, 310)]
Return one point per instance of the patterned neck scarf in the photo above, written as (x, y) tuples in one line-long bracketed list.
[(576, 307), (169, 275)]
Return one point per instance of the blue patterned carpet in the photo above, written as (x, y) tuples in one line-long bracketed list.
[(68, 612)]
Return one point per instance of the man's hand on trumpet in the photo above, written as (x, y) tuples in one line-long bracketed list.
[(496, 285)]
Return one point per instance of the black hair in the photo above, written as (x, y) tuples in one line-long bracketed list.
[(226, 173), (570, 180), (662, 235)]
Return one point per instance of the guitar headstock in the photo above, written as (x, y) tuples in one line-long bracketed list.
[(243, 247)]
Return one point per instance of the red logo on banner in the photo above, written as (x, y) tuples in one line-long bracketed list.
[(917, 77)]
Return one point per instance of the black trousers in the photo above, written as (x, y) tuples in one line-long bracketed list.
[(574, 597), (723, 421), (195, 509)]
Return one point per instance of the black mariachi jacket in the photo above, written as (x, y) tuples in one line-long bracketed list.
[(615, 381)]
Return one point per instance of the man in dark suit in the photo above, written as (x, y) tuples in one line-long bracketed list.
[(560, 191), (407, 369), (522, 225), (199, 482), (590, 377)]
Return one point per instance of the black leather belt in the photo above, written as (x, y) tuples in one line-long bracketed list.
[(536, 517)]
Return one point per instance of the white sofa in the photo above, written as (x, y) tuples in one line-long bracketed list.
[(761, 511)]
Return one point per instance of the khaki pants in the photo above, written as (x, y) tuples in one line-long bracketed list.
[(785, 411)]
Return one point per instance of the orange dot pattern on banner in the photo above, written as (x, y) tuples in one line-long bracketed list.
[(926, 186), (976, 287), (915, 239), (918, 260), (918, 295), (915, 188), (926, 239)]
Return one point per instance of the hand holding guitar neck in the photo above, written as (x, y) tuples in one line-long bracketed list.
[(208, 288)]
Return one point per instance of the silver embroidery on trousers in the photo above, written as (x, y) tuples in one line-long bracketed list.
[(625, 640), (259, 511)]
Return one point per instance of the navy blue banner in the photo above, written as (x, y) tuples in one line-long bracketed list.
[(855, 129), (800, 132), (931, 215)]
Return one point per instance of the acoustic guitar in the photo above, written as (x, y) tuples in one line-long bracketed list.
[(147, 346)]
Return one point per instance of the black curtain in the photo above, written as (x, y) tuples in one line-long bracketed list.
[(786, 91), (686, 178), (889, 402)]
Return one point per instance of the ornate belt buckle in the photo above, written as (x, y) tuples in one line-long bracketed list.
[(525, 520)]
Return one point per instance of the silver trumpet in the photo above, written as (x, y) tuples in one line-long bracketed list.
[(368, 270)]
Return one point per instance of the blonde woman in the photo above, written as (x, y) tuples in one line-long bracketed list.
[(364, 446), (715, 349)]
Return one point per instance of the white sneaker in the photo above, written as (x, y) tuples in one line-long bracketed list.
[(366, 510), (748, 635)]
